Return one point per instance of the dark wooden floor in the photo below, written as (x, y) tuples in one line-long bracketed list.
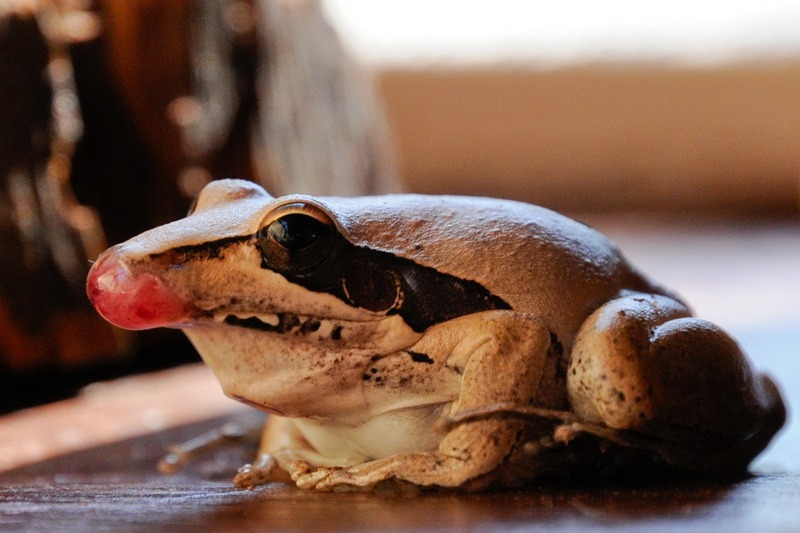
[(54, 479), (116, 487)]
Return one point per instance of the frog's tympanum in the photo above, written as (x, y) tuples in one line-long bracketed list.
[(446, 342)]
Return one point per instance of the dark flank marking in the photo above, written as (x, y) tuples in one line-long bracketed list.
[(372, 373), (420, 357), (336, 333), (424, 295), (309, 326), (206, 250), (382, 282)]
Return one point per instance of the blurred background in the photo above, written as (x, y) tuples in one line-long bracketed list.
[(674, 126), (580, 105)]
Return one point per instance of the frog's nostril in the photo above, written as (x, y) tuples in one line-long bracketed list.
[(140, 301)]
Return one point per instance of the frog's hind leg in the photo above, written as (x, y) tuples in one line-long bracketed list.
[(646, 370)]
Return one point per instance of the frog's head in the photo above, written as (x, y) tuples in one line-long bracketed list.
[(281, 301)]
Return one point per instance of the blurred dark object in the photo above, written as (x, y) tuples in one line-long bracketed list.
[(130, 108), (61, 125), (47, 236), (261, 89), (273, 90)]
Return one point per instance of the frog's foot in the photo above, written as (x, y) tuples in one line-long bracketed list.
[(361, 477), (264, 470), (323, 478), (642, 367)]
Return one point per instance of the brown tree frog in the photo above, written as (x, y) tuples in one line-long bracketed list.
[(448, 342)]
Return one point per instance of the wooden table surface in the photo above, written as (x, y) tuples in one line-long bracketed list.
[(88, 464)]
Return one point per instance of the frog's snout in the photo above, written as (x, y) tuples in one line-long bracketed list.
[(133, 301)]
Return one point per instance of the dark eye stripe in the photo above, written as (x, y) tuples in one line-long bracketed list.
[(429, 297), (206, 250), (423, 296)]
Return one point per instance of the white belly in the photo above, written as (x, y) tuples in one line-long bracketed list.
[(401, 431)]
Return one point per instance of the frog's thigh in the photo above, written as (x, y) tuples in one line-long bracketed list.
[(609, 380), (641, 363)]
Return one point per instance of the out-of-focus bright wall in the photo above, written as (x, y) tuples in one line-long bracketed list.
[(583, 105)]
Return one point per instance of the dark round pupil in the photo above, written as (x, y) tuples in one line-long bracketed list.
[(297, 231)]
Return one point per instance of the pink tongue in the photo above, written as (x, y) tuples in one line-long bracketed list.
[(140, 302)]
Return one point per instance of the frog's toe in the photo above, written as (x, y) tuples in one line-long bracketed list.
[(250, 476), (306, 476), (345, 479), (260, 473), (313, 479)]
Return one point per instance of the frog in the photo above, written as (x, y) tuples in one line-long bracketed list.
[(434, 341)]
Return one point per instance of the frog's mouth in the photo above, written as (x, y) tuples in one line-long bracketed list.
[(274, 323), (144, 301), (283, 323), (138, 301)]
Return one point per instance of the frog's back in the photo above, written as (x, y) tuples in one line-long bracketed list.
[(535, 259)]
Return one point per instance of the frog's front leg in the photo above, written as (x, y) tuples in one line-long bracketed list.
[(281, 445), (646, 373), (506, 359)]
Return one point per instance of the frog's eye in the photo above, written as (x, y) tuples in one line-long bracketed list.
[(296, 237)]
